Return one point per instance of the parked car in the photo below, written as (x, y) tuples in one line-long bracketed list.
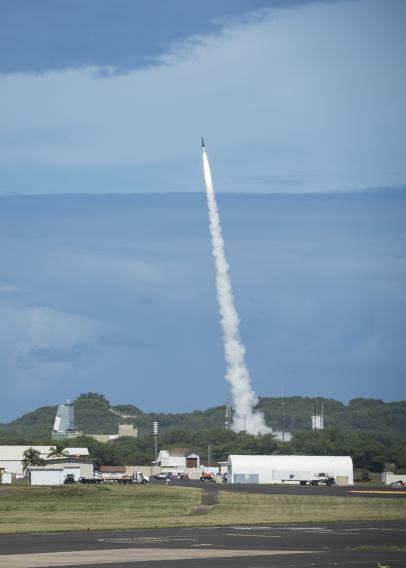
[(160, 475)]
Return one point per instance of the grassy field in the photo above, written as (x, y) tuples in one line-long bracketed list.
[(255, 508), (81, 507)]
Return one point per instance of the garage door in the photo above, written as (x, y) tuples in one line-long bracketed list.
[(246, 478)]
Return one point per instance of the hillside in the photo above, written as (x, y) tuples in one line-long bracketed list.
[(93, 414)]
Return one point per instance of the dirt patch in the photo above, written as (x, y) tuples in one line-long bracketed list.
[(209, 499)]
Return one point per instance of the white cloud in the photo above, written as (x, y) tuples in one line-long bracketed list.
[(315, 92), (25, 330)]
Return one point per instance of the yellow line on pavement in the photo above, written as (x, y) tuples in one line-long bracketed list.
[(379, 491)]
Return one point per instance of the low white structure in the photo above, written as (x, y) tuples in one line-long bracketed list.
[(40, 475), (85, 466), (388, 477), (11, 457), (178, 459), (6, 478), (288, 469), (282, 436)]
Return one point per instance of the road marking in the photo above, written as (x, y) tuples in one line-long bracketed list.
[(254, 535), (144, 539), (78, 557), (379, 491)]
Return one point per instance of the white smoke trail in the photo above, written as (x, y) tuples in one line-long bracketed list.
[(237, 374)]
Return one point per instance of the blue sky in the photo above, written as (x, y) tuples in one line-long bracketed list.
[(116, 294), (302, 108), (103, 96)]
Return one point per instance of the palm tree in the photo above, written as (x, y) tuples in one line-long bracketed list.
[(31, 457), (58, 451)]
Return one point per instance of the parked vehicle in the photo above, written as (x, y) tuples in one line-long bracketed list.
[(70, 478), (319, 479), (160, 475), (139, 477), (207, 476), (91, 480)]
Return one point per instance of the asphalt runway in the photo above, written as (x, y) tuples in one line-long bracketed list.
[(319, 490), (321, 545)]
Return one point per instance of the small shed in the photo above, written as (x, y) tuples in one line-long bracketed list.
[(7, 478), (178, 459), (288, 469), (84, 466), (39, 475)]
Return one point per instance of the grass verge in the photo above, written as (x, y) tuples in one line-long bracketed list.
[(383, 548), (89, 507), (254, 508)]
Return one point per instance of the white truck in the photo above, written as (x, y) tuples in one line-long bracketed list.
[(139, 477), (308, 479)]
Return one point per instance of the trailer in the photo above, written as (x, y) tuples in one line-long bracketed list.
[(137, 477)]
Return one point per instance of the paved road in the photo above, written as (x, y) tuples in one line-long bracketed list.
[(349, 491), (321, 545)]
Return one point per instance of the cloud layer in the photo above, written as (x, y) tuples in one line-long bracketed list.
[(309, 98)]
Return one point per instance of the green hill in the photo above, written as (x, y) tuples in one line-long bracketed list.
[(95, 415)]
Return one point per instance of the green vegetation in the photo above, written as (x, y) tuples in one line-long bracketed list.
[(380, 548), (57, 451), (31, 457), (259, 508), (364, 414), (371, 431), (94, 416), (82, 507)]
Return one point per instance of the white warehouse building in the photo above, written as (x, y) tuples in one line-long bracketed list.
[(288, 469), (11, 457)]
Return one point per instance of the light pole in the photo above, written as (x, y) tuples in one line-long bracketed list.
[(156, 440), (283, 420)]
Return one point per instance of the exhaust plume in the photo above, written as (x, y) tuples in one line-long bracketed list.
[(237, 374)]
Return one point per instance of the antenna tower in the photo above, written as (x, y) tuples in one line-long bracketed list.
[(228, 416)]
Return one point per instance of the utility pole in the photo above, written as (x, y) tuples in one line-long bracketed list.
[(209, 455), (155, 430), (283, 420)]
